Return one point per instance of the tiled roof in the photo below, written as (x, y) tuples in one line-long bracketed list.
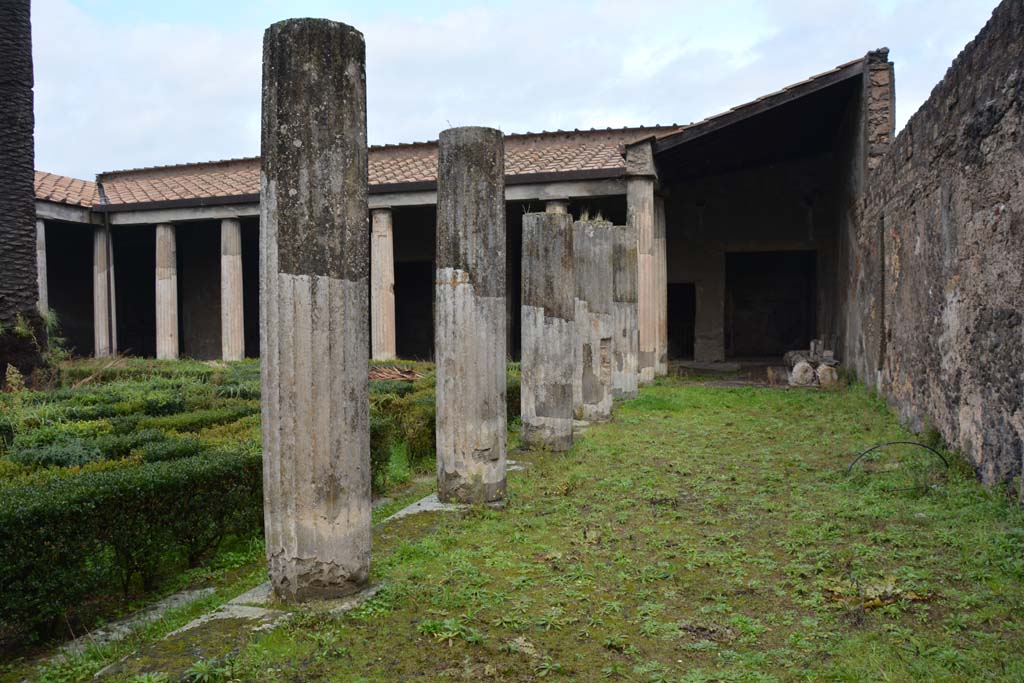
[(525, 154), (62, 189)]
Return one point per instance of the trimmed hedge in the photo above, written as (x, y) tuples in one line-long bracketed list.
[(64, 540), (73, 451)]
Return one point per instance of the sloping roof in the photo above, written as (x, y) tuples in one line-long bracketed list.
[(743, 111), (392, 167), (63, 189)]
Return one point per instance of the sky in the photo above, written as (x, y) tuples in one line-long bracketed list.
[(130, 83)]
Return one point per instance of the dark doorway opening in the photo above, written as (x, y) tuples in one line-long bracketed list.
[(198, 246), (135, 273), (682, 319), (69, 282), (251, 286), (769, 302), (414, 310)]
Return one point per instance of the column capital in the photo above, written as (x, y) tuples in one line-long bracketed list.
[(640, 160)]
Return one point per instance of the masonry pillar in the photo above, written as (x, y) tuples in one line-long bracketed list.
[(44, 296), (166, 292), (232, 311), (626, 336), (592, 255), (103, 320), (548, 332), (557, 206), (382, 285), (314, 327), (640, 182), (470, 334)]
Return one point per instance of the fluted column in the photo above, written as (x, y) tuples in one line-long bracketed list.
[(625, 339), (44, 296), (660, 290), (103, 320), (548, 331), (166, 292), (470, 335), (382, 285), (592, 378), (232, 311), (640, 182), (314, 327)]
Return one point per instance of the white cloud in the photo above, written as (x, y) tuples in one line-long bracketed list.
[(115, 95)]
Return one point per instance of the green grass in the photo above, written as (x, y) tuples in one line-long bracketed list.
[(707, 534)]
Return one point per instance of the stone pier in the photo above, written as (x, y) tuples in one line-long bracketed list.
[(626, 336), (44, 295), (470, 332), (166, 292), (382, 285), (104, 322), (314, 299), (592, 377), (548, 331), (232, 310)]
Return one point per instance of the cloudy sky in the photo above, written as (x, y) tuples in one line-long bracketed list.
[(128, 83)]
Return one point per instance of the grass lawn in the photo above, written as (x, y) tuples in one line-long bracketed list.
[(707, 534)]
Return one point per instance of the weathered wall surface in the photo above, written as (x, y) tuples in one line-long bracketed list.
[(949, 198), (18, 286)]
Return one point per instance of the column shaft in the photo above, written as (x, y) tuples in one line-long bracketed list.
[(44, 296), (382, 285), (104, 336), (232, 308), (548, 331), (640, 216), (314, 327), (660, 291), (556, 206), (626, 339), (470, 304), (592, 255), (166, 292)]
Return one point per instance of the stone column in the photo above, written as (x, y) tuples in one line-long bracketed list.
[(592, 377), (626, 336), (382, 285), (548, 331), (103, 321), (640, 216), (314, 326), (470, 341), (660, 290), (232, 311), (557, 206), (44, 296), (166, 292)]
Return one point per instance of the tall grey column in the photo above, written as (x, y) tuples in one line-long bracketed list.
[(592, 377), (548, 331), (470, 341), (232, 308), (660, 290), (44, 295), (557, 206), (314, 327), (166, 292), (640, 181), (103, 321), (626, 336), (382, 285)]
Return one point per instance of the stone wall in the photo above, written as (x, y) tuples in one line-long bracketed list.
[(947, 205)]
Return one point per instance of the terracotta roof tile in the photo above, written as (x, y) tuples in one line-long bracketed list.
[(62, 189), (528, 153)]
